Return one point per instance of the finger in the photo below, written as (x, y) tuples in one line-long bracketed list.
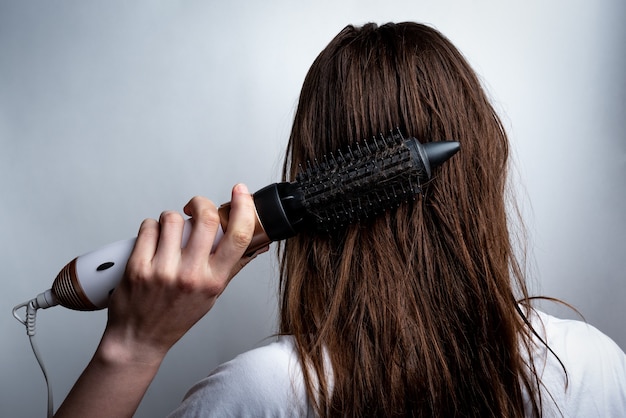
[(168, 250), (145, 246), (238, 233), (205, 223)]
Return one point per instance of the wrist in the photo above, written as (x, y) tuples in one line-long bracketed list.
[(120, 370), (124, 350)]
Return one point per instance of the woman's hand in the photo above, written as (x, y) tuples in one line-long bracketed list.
[(165, 291)]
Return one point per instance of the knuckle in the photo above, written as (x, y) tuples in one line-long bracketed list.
[(241, 238), (208, 217), (149, 228), (209, 213), (198, 203), (139, 270), (187, 284), (194, 280), (164, 273), (171, 217), (212, 289), (189, 277)]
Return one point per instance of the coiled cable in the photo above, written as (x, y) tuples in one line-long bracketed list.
[(31, 317)]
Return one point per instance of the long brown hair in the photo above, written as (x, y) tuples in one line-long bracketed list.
[(417, 309)]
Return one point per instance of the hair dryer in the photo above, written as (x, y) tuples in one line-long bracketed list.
[(344, 188)]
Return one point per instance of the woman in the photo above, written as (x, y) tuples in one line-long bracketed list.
[(422, 311)]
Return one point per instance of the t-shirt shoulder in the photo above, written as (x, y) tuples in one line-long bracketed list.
[(586, 375), (266, 381)]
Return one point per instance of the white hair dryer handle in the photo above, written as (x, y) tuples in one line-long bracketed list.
[(87, 281)]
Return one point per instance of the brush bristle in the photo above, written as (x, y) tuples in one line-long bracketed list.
[(363, 181)]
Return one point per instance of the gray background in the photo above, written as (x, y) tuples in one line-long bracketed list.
[(111, 112)]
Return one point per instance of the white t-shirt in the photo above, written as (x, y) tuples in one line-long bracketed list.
[(268, 382)]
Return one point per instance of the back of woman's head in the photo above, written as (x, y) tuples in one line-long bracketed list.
[(416, 308)]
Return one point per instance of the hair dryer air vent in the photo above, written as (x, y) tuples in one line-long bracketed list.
[(68, 290)]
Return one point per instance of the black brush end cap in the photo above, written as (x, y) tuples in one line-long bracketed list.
[(440, 152)]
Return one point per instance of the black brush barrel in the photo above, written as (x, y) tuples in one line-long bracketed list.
[(368, 180), (359, 183)]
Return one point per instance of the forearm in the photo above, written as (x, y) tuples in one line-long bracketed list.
[(112, 385)]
